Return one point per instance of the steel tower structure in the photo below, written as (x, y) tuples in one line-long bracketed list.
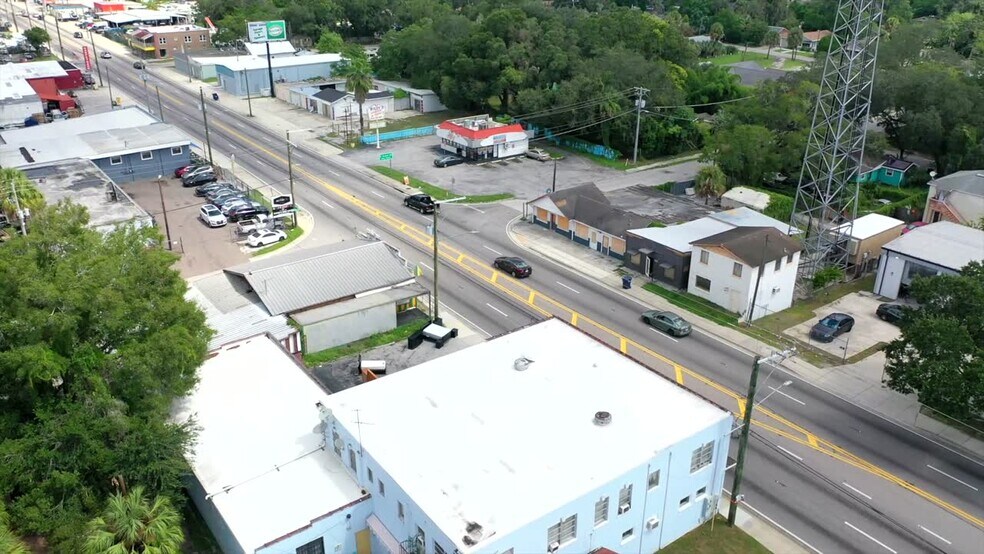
[(827, 195)]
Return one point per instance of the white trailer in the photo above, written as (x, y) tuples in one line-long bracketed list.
[(18, 102)]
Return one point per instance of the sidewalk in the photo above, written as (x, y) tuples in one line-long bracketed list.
[(858, 383)]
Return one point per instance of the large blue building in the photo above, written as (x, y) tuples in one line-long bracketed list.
[(542, 440), (235, 72)]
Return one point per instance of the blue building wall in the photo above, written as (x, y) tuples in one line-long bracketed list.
[(336, 530), (234, 82), (662, 502), (130, 167)]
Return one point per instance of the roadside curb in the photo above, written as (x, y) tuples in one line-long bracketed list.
[(667, 163)]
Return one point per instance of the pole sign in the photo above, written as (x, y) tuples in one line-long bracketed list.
[(267, 31), (386, 156), (85, 56)]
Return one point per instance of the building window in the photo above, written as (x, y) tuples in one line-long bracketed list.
[(162, 40), (601, 511), (789, 259), (382, 488), (399, 511), (778, 264), (421, 538), (684, 502), (736, 269), (317, 546), (115, 160), (563, 532), (438, 549), (889, 172), (703, 283), (201, 38), (625, 499), (701, 492), (702, 457), (654, 480), (369, 473), (627, 535), (187, 39), (352, 459), (336, 442), (705, 256), (177, 150), (147, 155)]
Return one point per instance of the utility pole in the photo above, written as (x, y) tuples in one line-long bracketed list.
[(761, 271), (208, 141), (167, 230), (249, 102), (745, 426), (58, 31), (92, 42), (269, 71), (109, 83), (640, 104), (290, 175), (160, 107), (553, 187), (437, 318)]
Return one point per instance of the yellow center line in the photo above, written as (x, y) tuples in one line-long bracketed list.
[(481, 271)]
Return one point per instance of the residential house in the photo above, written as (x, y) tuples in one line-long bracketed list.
[(82, 182), (958, 197), (811, 39), (738, 197), (341, 105), (166, 40), (336, 293), (584, 215), (783, 36), (416, 99), (482, 138), (941, 248), (127, 145), (234, 72), (750, 271), (891, 172), (866, 235)]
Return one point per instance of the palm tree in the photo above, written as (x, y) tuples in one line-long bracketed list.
[(717, 32), (771, 40), (9, 543), (358, 81), (710, 182), (795, 40), (132, 523), (17, 190)]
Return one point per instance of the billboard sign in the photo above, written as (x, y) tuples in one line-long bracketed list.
[(88, 60), (267, 31)]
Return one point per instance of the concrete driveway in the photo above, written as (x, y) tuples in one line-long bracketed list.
[(868, 329)]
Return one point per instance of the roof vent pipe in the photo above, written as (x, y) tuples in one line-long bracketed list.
[(602, 418)]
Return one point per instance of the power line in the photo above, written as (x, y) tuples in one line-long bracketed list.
[(574, 106), (581, 128)]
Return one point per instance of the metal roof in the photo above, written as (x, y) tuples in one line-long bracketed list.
[(233, 312), (337, 309), (942, 243), (747, 217), (116, 119), (317, 276), (971, 182), (679, 237), (749, 244), (93, 145), (870, 225)]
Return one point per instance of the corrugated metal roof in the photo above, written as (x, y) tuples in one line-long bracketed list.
[(332, 311), (942, 243), (232, 314), (316, 276)]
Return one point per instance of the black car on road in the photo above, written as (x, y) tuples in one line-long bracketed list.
[(517, 267), (445, 161), (892, 313), (423, 203), (198, 179), (832, 326)]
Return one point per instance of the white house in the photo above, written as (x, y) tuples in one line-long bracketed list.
[(958, 197), (745, 268), (942, 248)]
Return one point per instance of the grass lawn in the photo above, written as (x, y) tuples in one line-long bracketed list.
[(722, 540), (694, 305), (198, 537), (437, 193), (292, 234), (422, 120), (331, 354), (728, 59), (789, 65), (803, 310)]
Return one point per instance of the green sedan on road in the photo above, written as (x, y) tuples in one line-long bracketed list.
[(667, 322)]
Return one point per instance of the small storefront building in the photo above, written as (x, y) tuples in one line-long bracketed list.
[(482, 138)]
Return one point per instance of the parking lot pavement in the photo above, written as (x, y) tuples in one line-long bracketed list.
[(202, 249), (868, 329)]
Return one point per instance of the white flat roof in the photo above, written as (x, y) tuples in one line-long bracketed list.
[(679, 237), (747, 217), (239, 63), (92, 145), (116, 119), (16, 89), (942, 243), (870, 225), (506, 447), (259, 451), (748, 196), (187, 27), (278, 47), (32, 70)]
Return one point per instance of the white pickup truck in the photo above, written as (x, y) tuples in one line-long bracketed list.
[(257, 223)]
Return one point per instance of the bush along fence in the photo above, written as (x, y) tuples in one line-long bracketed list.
[(574, 143), (398, 135)]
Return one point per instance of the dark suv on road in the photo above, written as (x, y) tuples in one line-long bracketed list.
[(420, 202)]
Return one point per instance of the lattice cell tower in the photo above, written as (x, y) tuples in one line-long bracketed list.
[(827, 196)]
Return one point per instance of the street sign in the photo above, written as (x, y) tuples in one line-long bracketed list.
[(267, 31), (385, 156)]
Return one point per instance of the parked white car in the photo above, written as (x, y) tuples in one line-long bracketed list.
[(538, 154), (264, 238), (211, 216)]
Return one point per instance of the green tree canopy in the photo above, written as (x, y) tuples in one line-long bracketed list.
[(710, 183), (940, 355), (96, 341), (329, 42), (17, 190), (36, 37), (133, 523)]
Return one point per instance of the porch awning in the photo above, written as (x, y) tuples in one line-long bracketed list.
[(645, 251), (385, 537)]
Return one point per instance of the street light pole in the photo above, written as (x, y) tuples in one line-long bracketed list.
[(208, 141), (761, 271), (290, 175), (167, 229), (92, 41), (109, 83), (640, 103), (160, 107), (437, 318), (61, 47), (249, 102), (553, 187)]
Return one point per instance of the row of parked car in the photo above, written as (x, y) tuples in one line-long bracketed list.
[(227, 204)]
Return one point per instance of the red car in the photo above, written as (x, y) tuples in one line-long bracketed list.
[(179, 172), (913, 225)]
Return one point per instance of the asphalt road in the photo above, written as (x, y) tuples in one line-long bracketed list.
[(812, 502)]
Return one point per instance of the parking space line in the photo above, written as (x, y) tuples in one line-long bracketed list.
[(465, 319), (427, 266), (873, 539)]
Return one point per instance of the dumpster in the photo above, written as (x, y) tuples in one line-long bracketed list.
[(215, 96), (626, 281)]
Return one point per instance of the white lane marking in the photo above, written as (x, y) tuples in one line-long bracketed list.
[(940, 471), (238, 124), (327, 204), (568, 288), (266, 139), (465, 319), (377, 194), (789, 452), (873, 539), (474, 208), (662, 334), (493, 250), (257, 160), (935, 535), (333, 173), (800, 402), (774, 523), (848, 485), (427, 266), (504, 314)]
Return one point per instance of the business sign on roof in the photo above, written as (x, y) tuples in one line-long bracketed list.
[(267, 31)]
